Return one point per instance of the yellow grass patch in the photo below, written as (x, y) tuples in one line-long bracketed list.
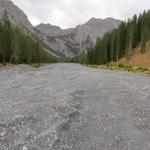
[(137, 59)]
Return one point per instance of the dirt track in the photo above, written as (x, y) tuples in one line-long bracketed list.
[(71, 107)]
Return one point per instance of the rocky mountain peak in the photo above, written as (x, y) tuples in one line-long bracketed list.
[(94, 20), (16, 15), (48, 25), (48, 29), (68, 42)]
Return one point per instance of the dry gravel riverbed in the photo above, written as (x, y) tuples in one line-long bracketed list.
[(72, 107)]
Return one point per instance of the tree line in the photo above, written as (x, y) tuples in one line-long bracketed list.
[(120, 42), (18, 47)]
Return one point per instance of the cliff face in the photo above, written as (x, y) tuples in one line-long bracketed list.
[(73, 41), (68, 42), (17, 16)]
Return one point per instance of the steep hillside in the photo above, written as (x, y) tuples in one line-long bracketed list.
[(68, 42), (19, 19), (16, 15), (72, 41), (128, 41), (137, 59), (16, 46), (48, 29)]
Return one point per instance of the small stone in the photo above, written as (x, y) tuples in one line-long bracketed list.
[(2, 134), (24, 148), (140, 119)]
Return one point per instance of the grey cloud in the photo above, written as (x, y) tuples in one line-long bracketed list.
[(69, 13)]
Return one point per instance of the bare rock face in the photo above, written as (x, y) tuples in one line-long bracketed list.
[(68, 42), (48, 29), (72, 41), (98, 27), (17, 16)]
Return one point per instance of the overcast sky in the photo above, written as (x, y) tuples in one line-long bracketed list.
[(69, 13)]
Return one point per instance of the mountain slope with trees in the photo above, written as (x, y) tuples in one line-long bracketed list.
[(16, 46), (121, 42)]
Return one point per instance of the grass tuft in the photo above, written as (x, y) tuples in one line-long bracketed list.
[(121, 67), (36, 65)]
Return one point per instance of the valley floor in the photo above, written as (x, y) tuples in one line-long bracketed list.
[(72, 107)]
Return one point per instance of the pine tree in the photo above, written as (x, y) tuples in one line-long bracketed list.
[(122, 41), (129, 39), (135, 31), (16, 46)]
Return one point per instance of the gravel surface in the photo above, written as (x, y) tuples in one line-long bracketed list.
[(72, 107)]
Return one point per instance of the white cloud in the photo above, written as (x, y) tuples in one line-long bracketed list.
[(69, 13)]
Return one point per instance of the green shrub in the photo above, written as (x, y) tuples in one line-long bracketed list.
[(36, 65)]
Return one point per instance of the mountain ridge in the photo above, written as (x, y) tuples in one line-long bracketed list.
[(69, 42), (83, 36)]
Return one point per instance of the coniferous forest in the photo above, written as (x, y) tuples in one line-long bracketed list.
[(18, 47), (120, 42)]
